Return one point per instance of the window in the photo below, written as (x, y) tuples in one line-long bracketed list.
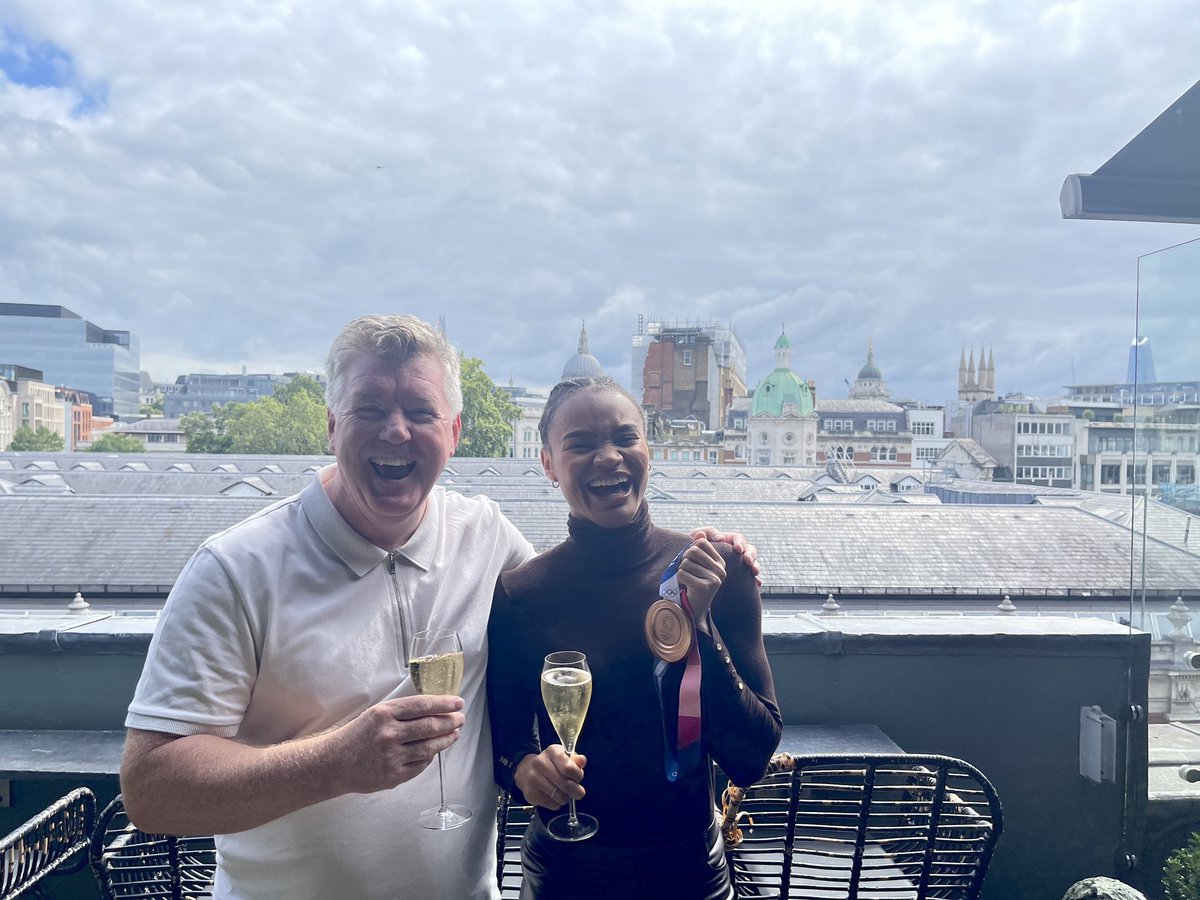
[(928, 453), (789, 459), (763, 458), (687, 357), (891, 424), (922, 428)]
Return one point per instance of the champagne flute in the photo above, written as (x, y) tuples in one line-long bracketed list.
[(435, 665), (567, 691)]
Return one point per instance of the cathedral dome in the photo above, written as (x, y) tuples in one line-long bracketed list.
[(582, 364), (870, 372), (782, 391)]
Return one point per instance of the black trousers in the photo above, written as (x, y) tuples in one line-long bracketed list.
[(690, 868)]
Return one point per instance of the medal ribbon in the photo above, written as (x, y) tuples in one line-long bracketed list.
[(681, 737)]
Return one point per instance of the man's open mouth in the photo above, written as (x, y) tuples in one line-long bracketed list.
[(609, 485), (391, 467)]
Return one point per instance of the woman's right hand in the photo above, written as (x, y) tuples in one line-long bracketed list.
[(548, 779)]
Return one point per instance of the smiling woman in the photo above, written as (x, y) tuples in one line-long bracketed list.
[(599, 593)]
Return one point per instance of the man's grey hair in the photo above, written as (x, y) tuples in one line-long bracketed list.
[(393, 337)]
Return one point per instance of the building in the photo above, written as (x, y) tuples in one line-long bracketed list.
[(71, 351), (582, 364), (964, 458), (1117, 457), (864, 432), (869, 383), (927, 424), (32, 403), (157, 434), (526, 440), (77, 407), (200, 393), (1029, 446), (688, 370), (781, 428)]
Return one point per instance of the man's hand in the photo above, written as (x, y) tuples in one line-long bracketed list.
[(701, 571), (393, 741), (740, 545), (548, 779)]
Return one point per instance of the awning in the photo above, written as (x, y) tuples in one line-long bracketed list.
[(1153, 178)]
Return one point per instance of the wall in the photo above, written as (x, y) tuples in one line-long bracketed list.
[(1001, 692)]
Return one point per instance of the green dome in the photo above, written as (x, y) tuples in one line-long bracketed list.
[(783, 342), (780, 387)]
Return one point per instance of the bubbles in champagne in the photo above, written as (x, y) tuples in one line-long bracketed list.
[(567, 693), (439, 673)]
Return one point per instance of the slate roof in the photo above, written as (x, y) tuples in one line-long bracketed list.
[(115, 543)]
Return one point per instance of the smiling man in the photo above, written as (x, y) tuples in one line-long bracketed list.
[(268, 712), (276, 710)]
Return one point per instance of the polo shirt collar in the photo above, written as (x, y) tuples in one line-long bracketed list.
[(359, 554)]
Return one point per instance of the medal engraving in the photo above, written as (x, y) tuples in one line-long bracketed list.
[(668, 631)]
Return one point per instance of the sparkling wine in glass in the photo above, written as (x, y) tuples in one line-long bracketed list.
[(567, 691), (435, 664)]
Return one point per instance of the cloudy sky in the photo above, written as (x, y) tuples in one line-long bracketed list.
[(231, 181)]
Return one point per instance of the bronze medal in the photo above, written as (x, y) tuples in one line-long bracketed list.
[(668, 631)]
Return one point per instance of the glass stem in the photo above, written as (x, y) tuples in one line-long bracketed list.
[(572, 819), (441, 784)]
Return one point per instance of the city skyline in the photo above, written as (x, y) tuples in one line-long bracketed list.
[(853, 171)]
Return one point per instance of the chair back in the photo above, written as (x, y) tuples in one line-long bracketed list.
[(511, 821), (862, 827), (46, 843), (129, 862)]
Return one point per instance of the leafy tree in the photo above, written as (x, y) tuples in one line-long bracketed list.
[(1181, 875), (296, 426), (153, 408), (205, 432), (301, 384), (43, 439), (117, 443), (487, 414)]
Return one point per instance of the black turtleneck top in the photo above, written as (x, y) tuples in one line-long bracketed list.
[(591, 593)]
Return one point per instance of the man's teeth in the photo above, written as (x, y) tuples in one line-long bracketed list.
[(389, 461), (608, 481)]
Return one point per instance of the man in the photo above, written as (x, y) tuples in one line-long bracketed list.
[(268, 712)]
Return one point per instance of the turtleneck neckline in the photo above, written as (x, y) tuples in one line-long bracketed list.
[(625, 546)]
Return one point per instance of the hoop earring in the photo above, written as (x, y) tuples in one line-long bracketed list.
[(553, 483)]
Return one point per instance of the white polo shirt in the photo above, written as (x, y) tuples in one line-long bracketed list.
[(289, 623)]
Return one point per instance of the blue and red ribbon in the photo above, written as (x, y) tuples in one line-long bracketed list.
[(681, 737)]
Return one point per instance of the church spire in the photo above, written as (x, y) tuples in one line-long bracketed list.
[(583, 344)]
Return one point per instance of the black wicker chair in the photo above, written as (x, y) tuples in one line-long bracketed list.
[(129, 862), (46, 843), (862, 827), (511, 821)]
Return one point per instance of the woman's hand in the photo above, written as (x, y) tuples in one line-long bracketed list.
[(701, 571), (548, 779)]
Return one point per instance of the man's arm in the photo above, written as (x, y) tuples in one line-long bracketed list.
[(205, 784)]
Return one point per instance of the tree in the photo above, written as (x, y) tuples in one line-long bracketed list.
[(487, 416), (43, 439), (153, 408), (117, 443), (301, 384), (1181, 875), (297, 426)]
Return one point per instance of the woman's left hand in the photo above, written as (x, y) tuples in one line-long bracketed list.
[(701, 571)]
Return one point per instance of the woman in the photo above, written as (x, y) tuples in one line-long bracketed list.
[(653, 798)]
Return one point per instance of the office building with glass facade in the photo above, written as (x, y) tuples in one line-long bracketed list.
[(74, 353)]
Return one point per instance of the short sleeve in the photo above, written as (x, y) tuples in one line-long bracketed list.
[(202, 663)]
